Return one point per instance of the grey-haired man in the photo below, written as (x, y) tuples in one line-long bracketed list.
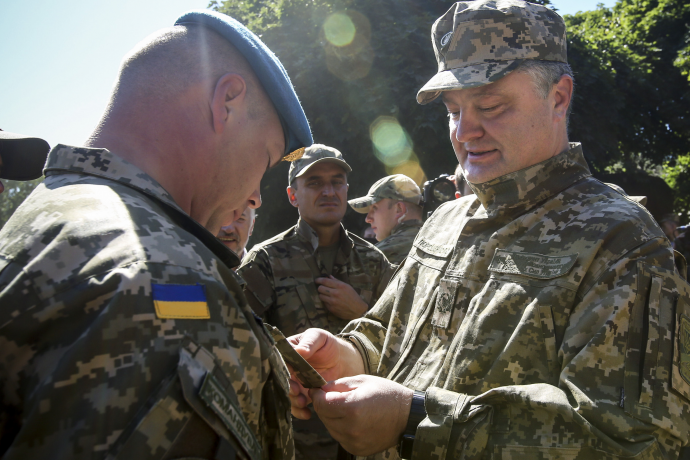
[(540, 318)]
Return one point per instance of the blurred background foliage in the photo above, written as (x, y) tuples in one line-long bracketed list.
[(357, 66)]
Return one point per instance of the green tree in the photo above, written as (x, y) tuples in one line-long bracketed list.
[(15, 193), (631, 109)]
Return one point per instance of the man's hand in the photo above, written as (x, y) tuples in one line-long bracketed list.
[(331, 356), (365, 414), (340, 298)]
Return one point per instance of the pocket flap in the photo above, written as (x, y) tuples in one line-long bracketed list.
[(533, 265)]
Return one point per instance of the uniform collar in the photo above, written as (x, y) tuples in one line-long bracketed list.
[(307, 234), (103, 163), (521, 190), (405, 224)]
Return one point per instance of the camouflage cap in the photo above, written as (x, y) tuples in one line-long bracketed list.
[(482, 41), (396, 187), (316, 153)]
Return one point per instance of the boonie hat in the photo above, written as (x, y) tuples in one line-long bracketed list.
[(23, 157), (317, 153), (482, 41), (397, 187), (268, 69)]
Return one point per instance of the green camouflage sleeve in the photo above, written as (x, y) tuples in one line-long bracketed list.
[(96, 371), (621, 378), (257, 273)]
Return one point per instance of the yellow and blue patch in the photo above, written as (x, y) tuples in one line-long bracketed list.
[(180, 301)]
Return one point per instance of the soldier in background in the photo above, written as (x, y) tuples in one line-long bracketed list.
[(462, 187), (544, 317), (21, 157), (394, 209), (316, 274), (236, 235), (124, 333)]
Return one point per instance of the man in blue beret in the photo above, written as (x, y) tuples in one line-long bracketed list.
[(125, 333)]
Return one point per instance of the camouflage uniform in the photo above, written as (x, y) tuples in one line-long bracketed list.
[(397, 187), (280, 275), (398, 244), (91, 366), (544, 319)]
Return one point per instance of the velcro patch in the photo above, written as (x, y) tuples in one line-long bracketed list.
[(222, 404), (180, 301), (532, 265)]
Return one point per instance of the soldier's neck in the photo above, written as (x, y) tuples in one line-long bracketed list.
[(328, 234)]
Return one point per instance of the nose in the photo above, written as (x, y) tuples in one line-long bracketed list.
[(467, 128), (254, 200), (369, 219), (328, 190)]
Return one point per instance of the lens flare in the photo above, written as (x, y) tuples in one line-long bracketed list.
[(392, 145), (339, 29)]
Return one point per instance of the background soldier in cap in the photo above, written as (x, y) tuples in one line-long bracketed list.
[(21, 157), (543, 318), (124, 332), (315, 274), (393, 208)]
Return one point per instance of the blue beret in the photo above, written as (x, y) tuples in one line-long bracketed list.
[(268, 70)]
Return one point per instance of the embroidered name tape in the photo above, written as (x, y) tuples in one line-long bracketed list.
[(532, 265), (180, 301)]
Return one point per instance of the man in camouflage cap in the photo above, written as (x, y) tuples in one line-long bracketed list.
[(125, 334), (394, 209), (541, 318), (316, 274)]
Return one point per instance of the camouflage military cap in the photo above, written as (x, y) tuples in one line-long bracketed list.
[(480, 42), (316, 153), (396, 187)]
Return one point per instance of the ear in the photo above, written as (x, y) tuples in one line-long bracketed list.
[(562, 93), (228, 98), (292, 197), (400, 208)]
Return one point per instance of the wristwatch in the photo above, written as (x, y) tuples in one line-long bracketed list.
[(417, 414)]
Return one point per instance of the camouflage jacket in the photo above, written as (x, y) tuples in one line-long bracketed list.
[(399, 242), (123, 333), (280, 275), (544, 319)]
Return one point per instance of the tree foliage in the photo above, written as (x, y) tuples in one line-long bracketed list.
[(631, 107)]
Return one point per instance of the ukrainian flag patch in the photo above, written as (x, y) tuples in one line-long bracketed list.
[(180, 301)]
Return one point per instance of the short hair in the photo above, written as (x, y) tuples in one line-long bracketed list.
[(545, 74), (170, 60)]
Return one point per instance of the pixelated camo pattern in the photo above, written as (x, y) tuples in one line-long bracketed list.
[(87, 369), (397, 187), (584, 361), (479, 42), (280, 274), (399, 242)]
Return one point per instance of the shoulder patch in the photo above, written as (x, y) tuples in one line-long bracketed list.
[(531, 264), (180, 301)]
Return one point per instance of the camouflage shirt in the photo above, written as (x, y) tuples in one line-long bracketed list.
[(399, 242), (280, 274), (123, 333), (544, 319)]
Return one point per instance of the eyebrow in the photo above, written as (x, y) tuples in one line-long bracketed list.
[(486, 91)]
